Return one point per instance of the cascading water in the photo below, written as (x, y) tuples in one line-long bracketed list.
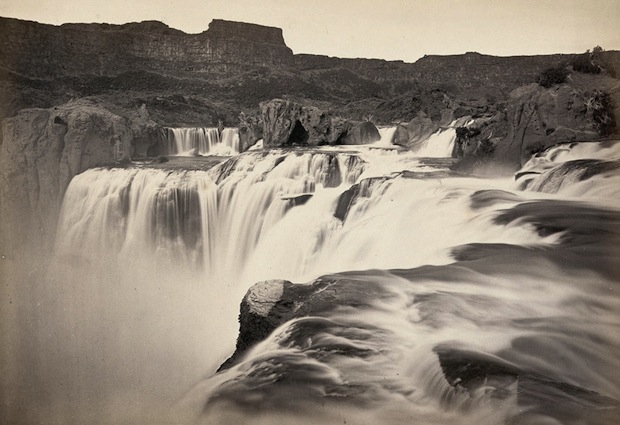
[(202, 141), (387, 136), (439, 144), (488, 309), (576, 170)]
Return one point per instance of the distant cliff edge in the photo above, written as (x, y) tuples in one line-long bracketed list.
[(76, 96)]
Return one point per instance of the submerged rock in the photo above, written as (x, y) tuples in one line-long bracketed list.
[(474, 372)]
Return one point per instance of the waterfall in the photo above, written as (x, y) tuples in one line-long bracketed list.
[(202, 141), (206, 219), (438, 145), (387, 136), (429, 295)]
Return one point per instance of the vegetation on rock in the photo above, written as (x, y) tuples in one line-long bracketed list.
[(552, 76)]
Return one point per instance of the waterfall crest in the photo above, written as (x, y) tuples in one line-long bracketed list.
[(202, 141)]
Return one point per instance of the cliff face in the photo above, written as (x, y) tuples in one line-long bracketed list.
[(286, 123), (201, 79), (466, 71), (46, 51), (536, 118), (42, 149)]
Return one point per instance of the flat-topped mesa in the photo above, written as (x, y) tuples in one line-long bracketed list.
[(48, 51), (253, 33)]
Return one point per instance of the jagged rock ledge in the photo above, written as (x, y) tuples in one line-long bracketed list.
[(287, 123)]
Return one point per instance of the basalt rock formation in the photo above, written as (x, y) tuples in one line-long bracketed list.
[(287, 123), (536, 118), (148, 71), (271, 303), (42, 149), (103, 49), (199, 79)]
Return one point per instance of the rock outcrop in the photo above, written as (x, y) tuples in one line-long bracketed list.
[(271, 303), (287, 123), (414, 131), (42, 149), (104, 49), (534, 119)]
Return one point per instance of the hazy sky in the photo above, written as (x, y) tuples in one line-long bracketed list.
[(388, 29)]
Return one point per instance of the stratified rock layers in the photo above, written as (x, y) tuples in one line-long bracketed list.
[(104, 49)]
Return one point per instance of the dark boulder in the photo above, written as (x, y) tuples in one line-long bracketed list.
[(287, 123), (418, 129), (359, 133)]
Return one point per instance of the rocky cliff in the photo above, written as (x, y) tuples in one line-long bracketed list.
[(42, 149), (286, 123), (199, 79), (536, 118), (46, 51)]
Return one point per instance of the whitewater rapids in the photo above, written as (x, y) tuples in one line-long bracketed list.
[(456, 299)]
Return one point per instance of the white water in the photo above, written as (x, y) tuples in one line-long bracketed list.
[(380, 233), (151, 265), (202, 141), (571, 151), (544, 172), (438, 145), (387, 136)]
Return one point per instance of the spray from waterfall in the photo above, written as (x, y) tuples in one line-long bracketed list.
[(151, 263)]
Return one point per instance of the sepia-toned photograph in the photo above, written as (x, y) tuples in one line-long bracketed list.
[(293, 212)]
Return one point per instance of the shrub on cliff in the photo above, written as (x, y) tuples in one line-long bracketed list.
[(585, 63), (551, 76), (601, 106)]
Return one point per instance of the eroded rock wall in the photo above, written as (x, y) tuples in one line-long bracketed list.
[(287, 123), (44, 51), (534, 119), (42, 149)]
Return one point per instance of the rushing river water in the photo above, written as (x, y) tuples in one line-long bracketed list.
[(465, 300)]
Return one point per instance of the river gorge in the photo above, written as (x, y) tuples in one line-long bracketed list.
[(302, 264)]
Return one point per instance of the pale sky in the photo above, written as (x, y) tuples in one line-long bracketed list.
[(388, 29)]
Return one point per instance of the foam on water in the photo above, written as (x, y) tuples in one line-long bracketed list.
[(151, 264)]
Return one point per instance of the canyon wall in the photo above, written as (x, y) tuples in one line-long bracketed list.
[(232, 68), (47, 51), (41, 151)]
